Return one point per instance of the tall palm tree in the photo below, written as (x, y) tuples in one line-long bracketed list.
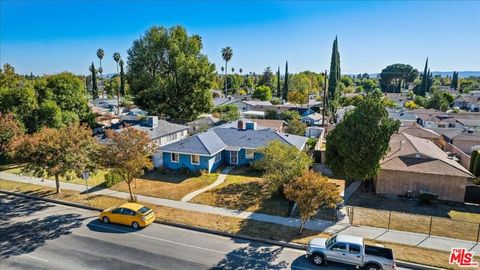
[(233, 70), (100, 55), (117, 58), (227, 54), (240, 70)]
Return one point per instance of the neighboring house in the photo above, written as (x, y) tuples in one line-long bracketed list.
[(160, 132), (202, 124), (398, 98), (315, 132), (441, 121), (467, 140), (418, 131), (469, 102), (415, 164), (470, 123), (249, 105), (276, 125), (229, 146), (313, 119)]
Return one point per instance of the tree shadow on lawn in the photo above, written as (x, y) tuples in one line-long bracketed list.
[(371, 200), (173, 177), (26, 236)]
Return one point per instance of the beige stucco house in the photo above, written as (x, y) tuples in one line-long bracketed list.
[(417, 164)]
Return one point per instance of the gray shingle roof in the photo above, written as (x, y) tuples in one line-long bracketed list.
[(214, 140), (163, 128)]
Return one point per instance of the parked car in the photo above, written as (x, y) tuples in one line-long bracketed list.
[(130, 214), (350, 250)]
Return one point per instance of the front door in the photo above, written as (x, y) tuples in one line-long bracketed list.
[(234, 157)]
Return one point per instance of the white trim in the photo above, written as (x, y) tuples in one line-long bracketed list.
[(194, 163), (171, 157), (185, 153), (236, 163)]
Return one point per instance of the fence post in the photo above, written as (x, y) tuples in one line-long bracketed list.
[(389, 219), (478, 232), (430, 230)]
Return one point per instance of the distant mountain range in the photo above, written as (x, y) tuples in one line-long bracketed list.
[(461, 74)]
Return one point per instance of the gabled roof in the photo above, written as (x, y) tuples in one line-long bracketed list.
[(413, 154), (421, 132), (214, 140)]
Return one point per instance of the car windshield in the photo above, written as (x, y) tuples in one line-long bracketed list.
[(143, 210), (331, 241)]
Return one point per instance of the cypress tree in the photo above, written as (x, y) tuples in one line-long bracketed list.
[(285, 83), (122, 79), (476, 167), (472, 160), (279, 89), (94, 81), (334, 77), (454, 84), (424, 85)]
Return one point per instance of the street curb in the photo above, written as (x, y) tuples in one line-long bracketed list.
[(210, 231)]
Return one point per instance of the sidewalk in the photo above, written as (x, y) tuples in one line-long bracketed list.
[(220, 179), (400, 237)]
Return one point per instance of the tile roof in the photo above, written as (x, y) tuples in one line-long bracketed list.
[(413, 154)]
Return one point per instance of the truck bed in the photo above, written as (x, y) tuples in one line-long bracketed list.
[(379, 251)]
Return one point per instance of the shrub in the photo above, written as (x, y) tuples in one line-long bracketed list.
[(427, 198), (476, 166), (111, 179)]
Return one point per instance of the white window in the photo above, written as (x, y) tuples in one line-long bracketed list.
[(175, 157), (195, 159), (249, 153), (218, 156)]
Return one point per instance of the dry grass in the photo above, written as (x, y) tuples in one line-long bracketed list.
[(168, 186), (452, 220), (232, 225), (244, 189), (93, 180)]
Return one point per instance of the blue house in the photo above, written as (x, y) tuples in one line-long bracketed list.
[(229, 146)]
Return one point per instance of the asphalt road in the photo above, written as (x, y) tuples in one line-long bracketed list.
[(41, 235)]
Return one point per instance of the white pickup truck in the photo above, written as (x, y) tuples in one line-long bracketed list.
[(350, 250)]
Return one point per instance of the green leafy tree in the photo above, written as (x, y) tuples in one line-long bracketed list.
[(271, 114), (393, 77), (49, 115), (281, 163), (285, 83), (476, 167), (454, 84), (422, 89), (288, 116), (64, 152), (311, 191), (178, 88), (266, 78), (227, 54), (128, 155), (262, 92), (68, 91), (369, 85), (439, 100), (227, 113), (297, 127), (358, 143), (335, 74)]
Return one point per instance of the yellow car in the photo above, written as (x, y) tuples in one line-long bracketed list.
[(130, 214)]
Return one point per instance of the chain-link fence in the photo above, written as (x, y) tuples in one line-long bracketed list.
[(430, 225)]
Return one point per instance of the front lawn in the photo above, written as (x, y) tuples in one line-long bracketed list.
[(244, 189), (171, 185)]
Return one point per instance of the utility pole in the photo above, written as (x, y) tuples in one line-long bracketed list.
[(324, 99)]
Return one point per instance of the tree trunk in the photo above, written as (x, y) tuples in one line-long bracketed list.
[(57, 184), (302, 224), (226, 79), (130, 190), (118, 94)]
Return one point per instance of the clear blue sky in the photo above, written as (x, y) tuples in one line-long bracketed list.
[(54, 36)]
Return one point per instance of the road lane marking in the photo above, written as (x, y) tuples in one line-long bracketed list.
[(182, 244), (37, 258)]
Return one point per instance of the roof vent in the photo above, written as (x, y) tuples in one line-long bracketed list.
[(417, 155)]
